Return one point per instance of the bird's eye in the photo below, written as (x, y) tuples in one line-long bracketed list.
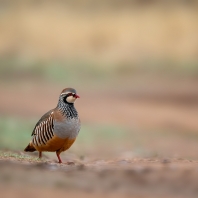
[(70, 94)]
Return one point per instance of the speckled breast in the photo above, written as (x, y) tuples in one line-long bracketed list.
[(69, 128)]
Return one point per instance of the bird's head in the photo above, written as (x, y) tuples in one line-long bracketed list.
[(69, 95)]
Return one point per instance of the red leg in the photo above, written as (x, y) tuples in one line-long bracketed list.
[(40, 154), (59, 159)]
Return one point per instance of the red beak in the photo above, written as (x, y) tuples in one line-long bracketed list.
[(77, 96)]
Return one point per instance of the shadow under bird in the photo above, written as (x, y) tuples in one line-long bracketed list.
[(57, 130)]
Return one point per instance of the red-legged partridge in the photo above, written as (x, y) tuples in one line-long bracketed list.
[(58, 128)]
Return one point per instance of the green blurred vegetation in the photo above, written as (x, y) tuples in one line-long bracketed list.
[(20, 157), (95, 138), (16, 133), (91, 73), (54, 71)]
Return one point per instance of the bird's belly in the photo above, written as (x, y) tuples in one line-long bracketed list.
[(55, 144), (67, 129)]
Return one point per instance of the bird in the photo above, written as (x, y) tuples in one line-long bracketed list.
[(58, 129)]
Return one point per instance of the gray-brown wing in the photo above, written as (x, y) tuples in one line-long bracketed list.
[(43, 118), (43, 130)]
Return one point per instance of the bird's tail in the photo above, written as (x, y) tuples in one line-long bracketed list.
[(30, 148)]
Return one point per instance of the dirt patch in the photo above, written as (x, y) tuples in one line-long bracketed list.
[(113, 178)]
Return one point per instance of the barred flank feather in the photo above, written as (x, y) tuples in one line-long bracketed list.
[(43, 132)]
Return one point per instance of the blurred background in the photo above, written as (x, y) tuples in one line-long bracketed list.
[(133, 62)]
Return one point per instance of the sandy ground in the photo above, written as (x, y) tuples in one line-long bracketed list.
[(114, 178)]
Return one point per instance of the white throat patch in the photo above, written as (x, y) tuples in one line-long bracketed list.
[(70, 99)]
